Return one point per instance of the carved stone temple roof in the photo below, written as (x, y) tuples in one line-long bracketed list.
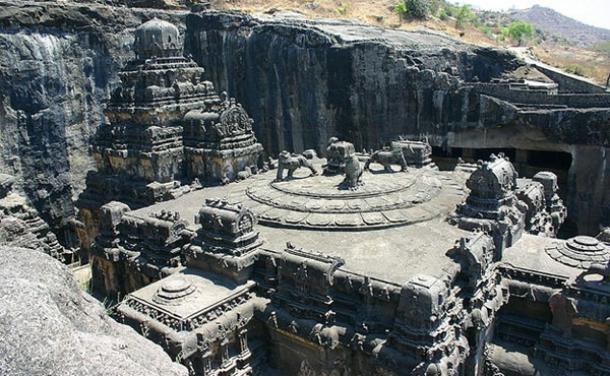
[(188, 300), (157, 38), (494, 179)]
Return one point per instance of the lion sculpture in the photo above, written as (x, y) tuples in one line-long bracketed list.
[(387, 157), (353, 172), (287, 161)]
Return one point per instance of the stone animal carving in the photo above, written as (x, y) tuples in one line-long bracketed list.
[(387, 158), (292, 163), (353, 172)]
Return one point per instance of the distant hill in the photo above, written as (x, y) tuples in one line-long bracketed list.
[(553, 22)]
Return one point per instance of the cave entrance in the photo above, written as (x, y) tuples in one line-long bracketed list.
[(446, 158)]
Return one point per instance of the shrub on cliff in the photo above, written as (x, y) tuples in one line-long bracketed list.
[(518, 31), (414, 9), (463, 15)]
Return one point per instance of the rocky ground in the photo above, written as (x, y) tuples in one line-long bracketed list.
[(48, 326)]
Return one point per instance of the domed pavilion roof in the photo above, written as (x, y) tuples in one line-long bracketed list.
[(157, 38)]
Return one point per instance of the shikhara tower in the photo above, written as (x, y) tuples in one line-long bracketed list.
[(168, 129)]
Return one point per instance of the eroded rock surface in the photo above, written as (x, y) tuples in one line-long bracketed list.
[(49, 327)]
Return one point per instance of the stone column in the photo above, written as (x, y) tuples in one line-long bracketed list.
[(206, 362), (589, 188), (243, 342), (224, 352)]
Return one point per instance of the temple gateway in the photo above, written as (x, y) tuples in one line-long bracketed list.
[(398, 268)]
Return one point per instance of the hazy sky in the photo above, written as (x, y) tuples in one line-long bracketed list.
[(592, 12)]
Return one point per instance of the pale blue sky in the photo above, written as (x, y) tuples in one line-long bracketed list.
[(592, 12)]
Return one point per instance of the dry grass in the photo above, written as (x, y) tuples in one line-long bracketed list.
[(589, 63), (584, 62)]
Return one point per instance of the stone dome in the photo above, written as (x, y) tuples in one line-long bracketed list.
[(157, 38), (580, 252), (174, 291)]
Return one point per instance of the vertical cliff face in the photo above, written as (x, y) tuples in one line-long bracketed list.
[(52, 90), (58, 65), (304, 81)]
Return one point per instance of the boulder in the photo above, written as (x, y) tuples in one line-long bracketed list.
[(48, 326)]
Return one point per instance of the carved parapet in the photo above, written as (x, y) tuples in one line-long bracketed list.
[(110, 216), (421, 302), (492, 204), (427, 327), (538, 216), (306, 275), (160, 234), (494, 179)]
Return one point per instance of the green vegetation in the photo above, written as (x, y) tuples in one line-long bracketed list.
[(603, 47), (414, 9), (401, 8), (486, 30), (343, 8), (463, 16), (442, 14), (85, 286), (518, 31), (576, 69)]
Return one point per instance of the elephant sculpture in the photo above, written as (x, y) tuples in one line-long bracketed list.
[(387, 158), (287, 161)]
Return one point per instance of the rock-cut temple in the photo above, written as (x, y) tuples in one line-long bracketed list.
[(351, 263)]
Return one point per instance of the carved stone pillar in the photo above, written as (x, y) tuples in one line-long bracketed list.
[(206, 361), (224, 353), (243, 342)]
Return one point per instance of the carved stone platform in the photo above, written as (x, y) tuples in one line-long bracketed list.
[(321, 202), (580, 252)]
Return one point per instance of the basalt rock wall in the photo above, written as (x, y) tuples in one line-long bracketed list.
[(58, 64), (304, 81)]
